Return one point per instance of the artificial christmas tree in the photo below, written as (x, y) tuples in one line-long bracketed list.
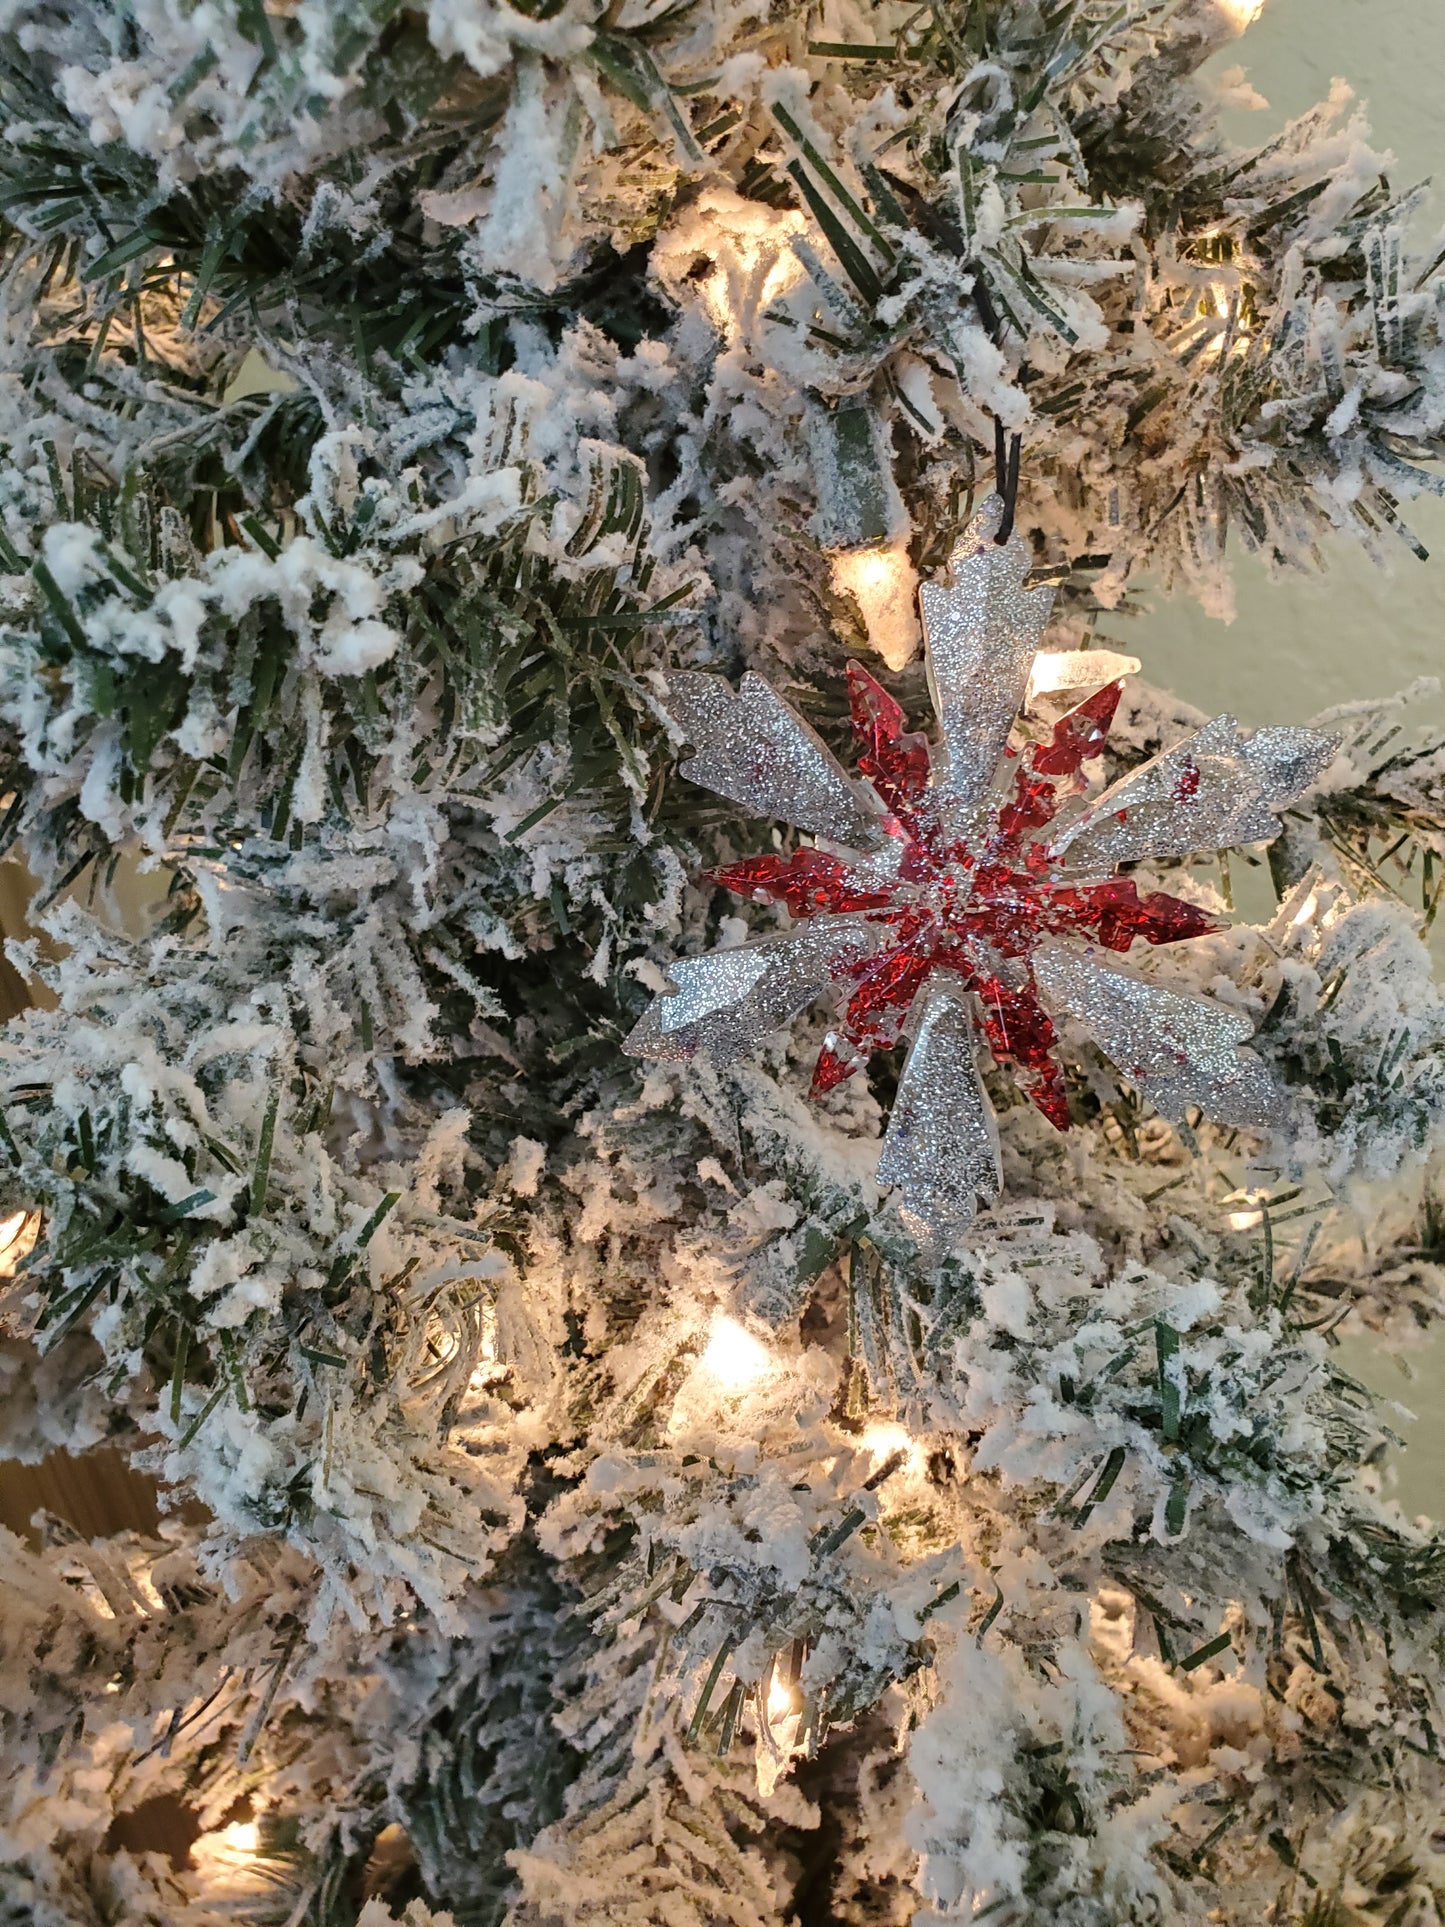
[(591, 1497)]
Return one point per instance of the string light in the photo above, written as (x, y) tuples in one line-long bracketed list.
[(1225, 303), (748, 263), (1056, 669), (230, 1864), (1305, 912), (780, 1725), (786, 273), (1309, 912), (780, 1699), (883, 1441), (733, 1356), (230, 1851), (1246, 1219), (17, 1235), (884, 584), (742, 286), (485, 1370)]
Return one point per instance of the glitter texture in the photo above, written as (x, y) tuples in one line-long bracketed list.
[(756, 751), (729, 1000), (956, 911), (941, 1150), (1211, 792), (1178, 1049), (982, 633)]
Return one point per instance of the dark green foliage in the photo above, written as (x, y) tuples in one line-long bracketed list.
[(492, 1770)]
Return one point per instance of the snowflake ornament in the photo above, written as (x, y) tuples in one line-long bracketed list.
[(942, 896)]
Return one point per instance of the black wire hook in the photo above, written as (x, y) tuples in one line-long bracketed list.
[(1006, 450), (936, 225)]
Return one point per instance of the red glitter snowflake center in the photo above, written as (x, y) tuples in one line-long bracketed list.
[(976, 906)]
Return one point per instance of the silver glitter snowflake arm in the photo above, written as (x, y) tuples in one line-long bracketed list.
[(982, 632), (941, 1148), (1176, 1048), (755, 750), (728, 1001), (1212, 791)]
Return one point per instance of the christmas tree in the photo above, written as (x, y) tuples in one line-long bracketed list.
[(476, 480)]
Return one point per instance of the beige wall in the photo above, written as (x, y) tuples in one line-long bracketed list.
[(1300, 644)]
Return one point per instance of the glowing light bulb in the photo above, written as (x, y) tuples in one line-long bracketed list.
[(884, 584), (780, 279), (485, 1369), (17, 1235), (866, 571), (1056, 669), (733, 1356), (1223, 302), (1301, 916), (747, 264), (780, 1700), (884, 1441), (241, 1837), (1245, 1219), (1241, 13)]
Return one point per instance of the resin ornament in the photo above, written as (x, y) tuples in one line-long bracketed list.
[(943, 898)]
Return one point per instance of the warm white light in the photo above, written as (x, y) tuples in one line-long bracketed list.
[(882, 1441), (1056, 669), (866, 571), (779, 1700), (733, 1356), (1246, 1219), (781, 1723), (485, 1369), (883, 583), (781, 279), (732, 256), (17, 1235), (1305, 912), (745, 284), (1241, 13), (231, 1867), (1221, 302)]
